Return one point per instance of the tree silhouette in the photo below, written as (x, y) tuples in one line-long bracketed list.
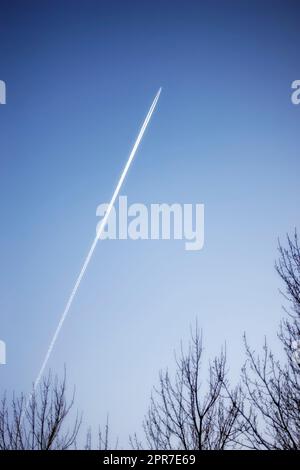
[(40, 423), (190, 410), (270, 389), (185, 413)]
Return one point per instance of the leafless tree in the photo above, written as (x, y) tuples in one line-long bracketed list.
[(40, 423), (186, 413), (288, 268), (271, 388), (103, 441)]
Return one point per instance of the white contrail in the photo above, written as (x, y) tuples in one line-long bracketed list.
[(91, 251)]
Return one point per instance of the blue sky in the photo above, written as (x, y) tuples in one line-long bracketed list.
[(80, 78)]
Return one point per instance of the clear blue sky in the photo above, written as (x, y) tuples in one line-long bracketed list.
[(80, 77)]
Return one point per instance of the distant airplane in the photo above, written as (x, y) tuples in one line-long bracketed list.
[(91, 251)]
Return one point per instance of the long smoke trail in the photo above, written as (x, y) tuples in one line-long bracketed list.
[(91, 251)]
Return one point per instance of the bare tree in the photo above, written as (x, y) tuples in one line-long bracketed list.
[(271, 390), (288, 268), (186, 414), (41, 423), (103, 441)]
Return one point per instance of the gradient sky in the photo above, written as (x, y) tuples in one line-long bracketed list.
[(80, 78)]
